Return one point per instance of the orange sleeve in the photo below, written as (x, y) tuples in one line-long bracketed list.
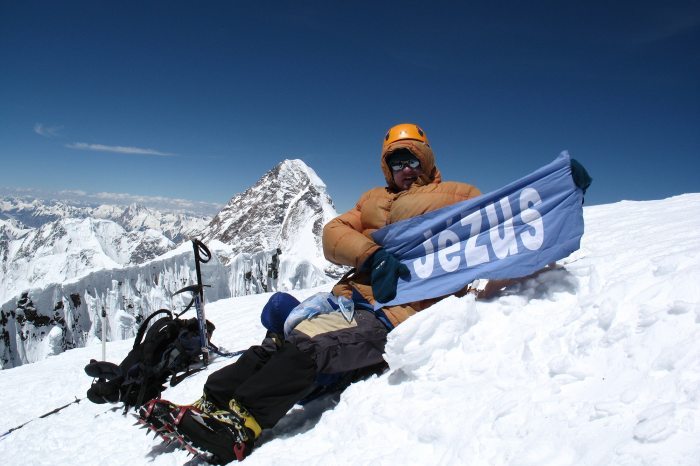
[(343, 240)]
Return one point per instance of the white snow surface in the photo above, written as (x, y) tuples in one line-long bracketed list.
[(595, 361)]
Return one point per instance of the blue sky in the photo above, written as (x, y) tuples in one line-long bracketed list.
[(196, 100)]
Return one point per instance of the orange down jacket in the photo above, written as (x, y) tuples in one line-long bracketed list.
[(347, 238)]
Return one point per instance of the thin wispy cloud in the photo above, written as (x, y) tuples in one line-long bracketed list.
[(118, 149), (47, 131)]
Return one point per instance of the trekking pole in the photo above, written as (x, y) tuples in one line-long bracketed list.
[(201, 256), (104, 334), (5, 434)]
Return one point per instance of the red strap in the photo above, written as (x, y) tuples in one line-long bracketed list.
[(239, 450), (180, 414)]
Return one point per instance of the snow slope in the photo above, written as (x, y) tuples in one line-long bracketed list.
[(595, 361)]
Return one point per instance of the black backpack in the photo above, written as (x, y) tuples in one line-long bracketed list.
[(170, 347)]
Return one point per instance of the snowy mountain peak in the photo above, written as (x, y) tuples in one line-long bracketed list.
[(295, 167), (286, 208), (12, 229)]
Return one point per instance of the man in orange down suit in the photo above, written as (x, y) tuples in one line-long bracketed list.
[(414, 187), (255, 392)]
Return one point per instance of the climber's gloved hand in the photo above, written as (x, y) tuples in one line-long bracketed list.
[(384, 274), (581, 177)]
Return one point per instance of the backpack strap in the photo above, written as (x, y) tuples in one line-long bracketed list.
[(140, 398), (176, 379)]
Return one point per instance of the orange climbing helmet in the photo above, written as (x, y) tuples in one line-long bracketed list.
[(405, 131)]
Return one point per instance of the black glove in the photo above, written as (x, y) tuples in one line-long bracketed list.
[(385, 273), (581, 177)]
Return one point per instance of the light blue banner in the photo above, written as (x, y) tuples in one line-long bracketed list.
[(508, 233)]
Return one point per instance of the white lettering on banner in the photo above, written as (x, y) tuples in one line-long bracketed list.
[(422, 267), (448, 236), (532, 240), (474, 254), (505, 245), (498, 242)]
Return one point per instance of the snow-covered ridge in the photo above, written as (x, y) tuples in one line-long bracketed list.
[(34, 213), (51, 241), (595, 361), (71, 248), (107, 250)]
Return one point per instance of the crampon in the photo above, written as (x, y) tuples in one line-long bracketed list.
[(200, 434)]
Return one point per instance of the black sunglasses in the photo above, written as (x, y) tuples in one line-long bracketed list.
[(398, 165)]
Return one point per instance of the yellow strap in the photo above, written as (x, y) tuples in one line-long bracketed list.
[(248, 420)]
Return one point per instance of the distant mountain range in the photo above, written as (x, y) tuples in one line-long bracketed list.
[(35, 213), (63, 262), (44, 242)]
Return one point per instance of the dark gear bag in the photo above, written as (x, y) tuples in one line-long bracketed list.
[(170, 346)]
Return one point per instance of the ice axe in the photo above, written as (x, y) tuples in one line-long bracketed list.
[(201, 256)]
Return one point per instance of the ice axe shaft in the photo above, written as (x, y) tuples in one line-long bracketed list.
[(201, 256)]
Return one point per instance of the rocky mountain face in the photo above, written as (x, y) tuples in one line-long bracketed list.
[(285, 203), (285, 210), (64, 266)]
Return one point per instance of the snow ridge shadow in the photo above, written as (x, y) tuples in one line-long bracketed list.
[(300, 420)]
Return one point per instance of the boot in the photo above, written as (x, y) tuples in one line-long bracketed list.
[(218, 435), (213, 434)]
